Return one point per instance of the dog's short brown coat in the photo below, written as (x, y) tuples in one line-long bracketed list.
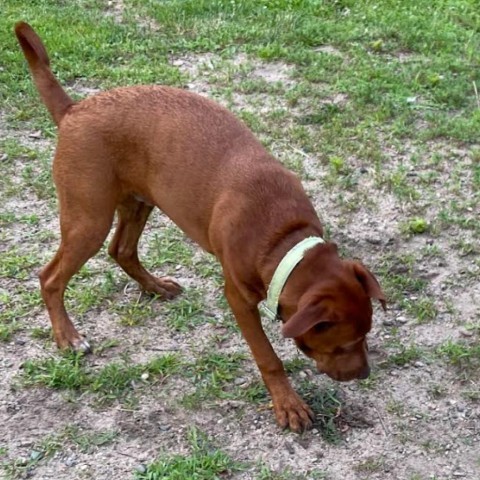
[(130, 149)]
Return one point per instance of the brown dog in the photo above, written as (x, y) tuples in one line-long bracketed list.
[(130, 149)]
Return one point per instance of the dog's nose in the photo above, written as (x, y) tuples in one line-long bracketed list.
[(364, 373)]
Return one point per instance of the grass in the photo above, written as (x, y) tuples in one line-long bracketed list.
[(403, 284), (373, 104), (289, 474), (116, 380), (187, 312), (15, 309), (326, 405), (169, 249), (8, 330), (405, 355), (463, 356), (213, 375), (205, 462), (135, 312), (416, 226), (370, 466), (424, 308), (89, 290), (15, 264), (86, 441)]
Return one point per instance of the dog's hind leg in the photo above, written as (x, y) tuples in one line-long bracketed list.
[(132, 216), (84, 228)]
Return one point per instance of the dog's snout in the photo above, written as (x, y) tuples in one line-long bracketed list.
[(364, 372), (346, 376)]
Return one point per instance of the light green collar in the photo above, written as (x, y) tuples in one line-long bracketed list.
[(269, 306)]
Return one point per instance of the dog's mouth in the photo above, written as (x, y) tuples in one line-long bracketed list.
[(346, 376)]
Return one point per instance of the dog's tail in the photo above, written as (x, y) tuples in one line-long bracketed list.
[(53, 95)]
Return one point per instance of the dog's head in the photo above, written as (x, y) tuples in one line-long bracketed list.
[(326, 308)]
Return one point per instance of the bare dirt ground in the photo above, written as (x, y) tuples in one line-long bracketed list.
[(418, 418)]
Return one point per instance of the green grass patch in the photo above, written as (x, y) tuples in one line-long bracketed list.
[(213, 376), (464, 356), (186, 312), (416, 226), (8, 330), (15, 308), (137, 312), (205, 462), (404, 355), (167, 249), (326, 405), (117, 380), (86, 441), (17, 265), (254, 392), (90, 289), (41, 333), (208, 267), (423, 309), (296, 364), (266, 473)]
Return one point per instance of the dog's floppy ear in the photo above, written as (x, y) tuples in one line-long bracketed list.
[(305, 318), (369, 283)]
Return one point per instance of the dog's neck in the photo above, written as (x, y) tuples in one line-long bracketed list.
[(286, 239)]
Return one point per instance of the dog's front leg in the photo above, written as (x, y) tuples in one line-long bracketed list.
[(290, 410)]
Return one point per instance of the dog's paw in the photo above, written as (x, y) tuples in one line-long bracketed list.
[(165, 287), (293, 413), (77, 344), (81, 346)]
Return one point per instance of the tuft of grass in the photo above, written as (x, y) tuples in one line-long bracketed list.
[(266, 473), (208, 267), (38, 177), (8, 330), (213, 375), (464, 356), (17, 265), (371, 382), (116, 380), (167, 249), (205, 462), (14, 309), (41, 333), (85, 440), (296, 364), (404, 285), (185, 313), (416, 226), (64, 373), (423, 308), (404, 356), (326, 405), (89, 290), (370, 465), (135, 313), (255, 392)]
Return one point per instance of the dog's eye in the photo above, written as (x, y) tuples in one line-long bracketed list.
[(322, 327), (306, 350)]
